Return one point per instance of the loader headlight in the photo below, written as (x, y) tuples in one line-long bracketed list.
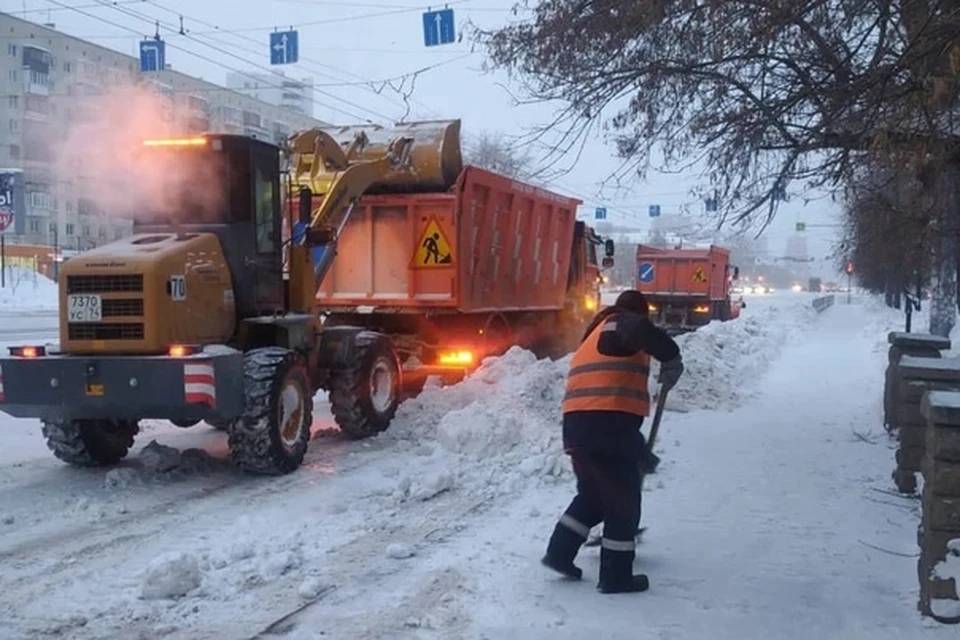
[(181, 350), (28, 351)]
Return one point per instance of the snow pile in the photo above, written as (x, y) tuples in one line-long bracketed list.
[(723, 360), (25, 290), (946, 569), (501, 427), (506, 415), (172, 575), (161, 461)]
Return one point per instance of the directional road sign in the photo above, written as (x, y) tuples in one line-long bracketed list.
[(439, 27), (284, 47), (646, 272), (654, 211), (601, 213), (153, 55)]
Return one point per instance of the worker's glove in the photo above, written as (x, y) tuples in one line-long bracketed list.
[(670, 372)]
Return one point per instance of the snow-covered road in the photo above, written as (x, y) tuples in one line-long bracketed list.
[(770, 516)]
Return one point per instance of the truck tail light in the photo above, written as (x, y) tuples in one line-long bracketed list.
[(701, 308), (28, 352), (460, 358), (653, 308)]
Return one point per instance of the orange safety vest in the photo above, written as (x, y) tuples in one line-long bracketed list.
[(604, 383)]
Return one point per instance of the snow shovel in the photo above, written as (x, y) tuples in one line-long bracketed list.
[(594, 540)]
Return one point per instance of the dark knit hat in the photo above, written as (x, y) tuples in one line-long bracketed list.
[(632, 300)]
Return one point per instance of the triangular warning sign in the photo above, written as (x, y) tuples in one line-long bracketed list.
[(433, 249)]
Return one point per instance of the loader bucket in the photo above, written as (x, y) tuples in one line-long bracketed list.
[(435, 154)]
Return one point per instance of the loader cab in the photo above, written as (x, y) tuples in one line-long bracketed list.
[(228, 185)]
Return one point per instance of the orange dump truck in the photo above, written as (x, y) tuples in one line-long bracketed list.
[(687, 288), (460, 263)]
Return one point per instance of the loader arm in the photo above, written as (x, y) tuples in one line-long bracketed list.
[(321, 167)]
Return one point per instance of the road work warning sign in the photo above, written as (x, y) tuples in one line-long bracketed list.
[(699, 277), (433, 249)]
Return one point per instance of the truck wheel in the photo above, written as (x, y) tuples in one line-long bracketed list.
[(272, 435), (90, 443), (364, 398)]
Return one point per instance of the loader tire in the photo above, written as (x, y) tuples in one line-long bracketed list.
[(364, 398), (90, 443), (272, 435)]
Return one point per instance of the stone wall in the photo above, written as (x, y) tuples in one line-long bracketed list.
[(915, 376), (939, 532), (922, 345)]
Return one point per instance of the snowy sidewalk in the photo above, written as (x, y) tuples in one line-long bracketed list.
[(768, 522)]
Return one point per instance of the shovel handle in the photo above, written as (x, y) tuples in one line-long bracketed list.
[(657, 416)]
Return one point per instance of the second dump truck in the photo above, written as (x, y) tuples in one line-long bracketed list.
[(687, 287), (211, 312)]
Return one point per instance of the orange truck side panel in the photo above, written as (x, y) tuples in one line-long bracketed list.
[(509, 245), (685, 272)]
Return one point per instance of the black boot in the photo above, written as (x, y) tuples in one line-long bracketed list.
[(563, 548), (636, 584), (616, 571), (568, 569)]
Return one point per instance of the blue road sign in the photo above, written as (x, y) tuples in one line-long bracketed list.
[(284, 47), (153, 55), (654, 211), (646, 272), (439, 27), (601, 213)]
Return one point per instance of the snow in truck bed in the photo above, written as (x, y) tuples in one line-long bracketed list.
[(771, 515)]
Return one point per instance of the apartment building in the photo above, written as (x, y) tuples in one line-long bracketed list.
[(275, 88), (44, 72)]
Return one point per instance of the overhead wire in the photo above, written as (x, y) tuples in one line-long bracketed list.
[(371, 85), (118, 6), (152, 21), (187, 51)]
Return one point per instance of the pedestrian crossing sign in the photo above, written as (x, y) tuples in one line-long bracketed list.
[(699, 277), (433, 250)]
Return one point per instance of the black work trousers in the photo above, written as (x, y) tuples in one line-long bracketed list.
[(605, 449)]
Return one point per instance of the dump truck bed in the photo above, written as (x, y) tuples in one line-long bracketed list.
[(689, 273), (490, 243)]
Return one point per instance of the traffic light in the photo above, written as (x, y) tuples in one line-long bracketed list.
[(849, 268)]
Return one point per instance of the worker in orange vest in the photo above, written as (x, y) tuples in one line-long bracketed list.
[(604, 406)]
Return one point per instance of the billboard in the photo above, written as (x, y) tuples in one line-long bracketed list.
[(13, 208)]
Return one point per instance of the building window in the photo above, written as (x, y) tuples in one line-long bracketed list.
[(102, 232), (14, 126), (69, 206), (86, 231), (42, 200), (67, 67), (12, 50), (52, 228), (118, 233), (68, 229), (14, 152), (13, 75), (87, 207), (34, 225), (14, 101)]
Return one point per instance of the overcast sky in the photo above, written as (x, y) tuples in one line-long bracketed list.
[(351, 48)]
